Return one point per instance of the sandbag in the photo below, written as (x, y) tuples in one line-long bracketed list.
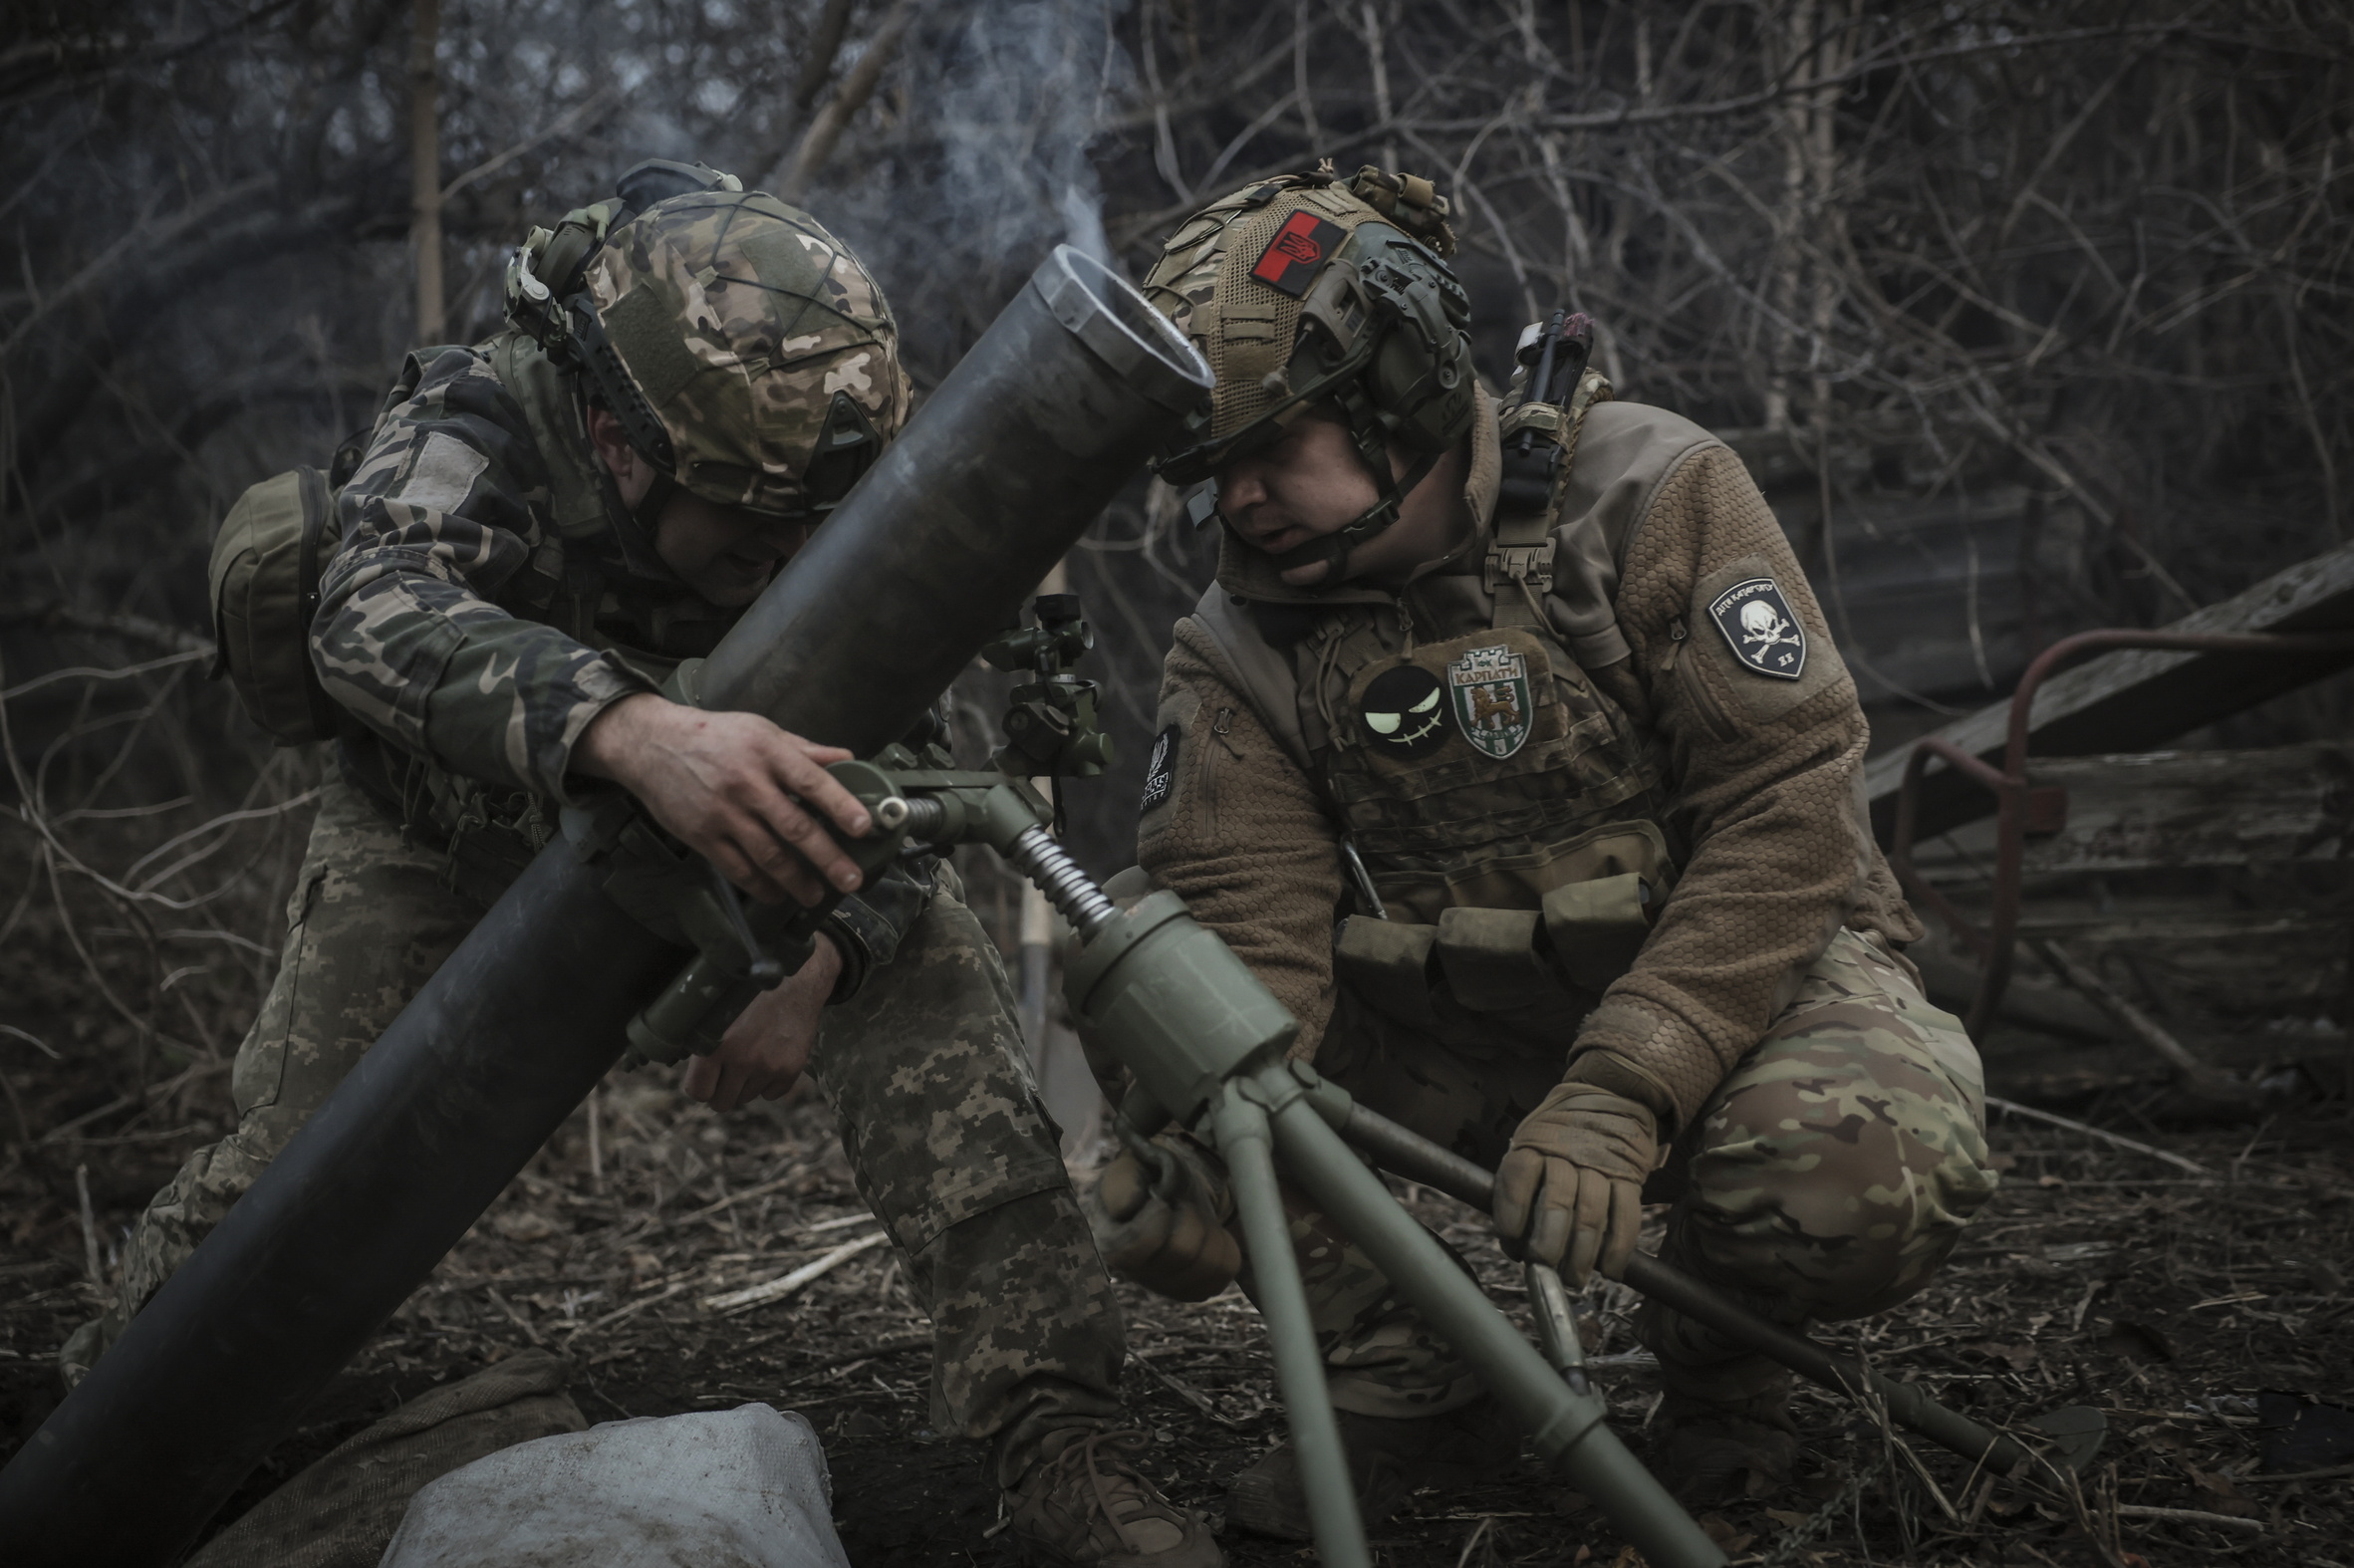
[(740, 1488), (340, 1512)]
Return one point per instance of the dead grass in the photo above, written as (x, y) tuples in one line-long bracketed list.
[(2098, 1276)]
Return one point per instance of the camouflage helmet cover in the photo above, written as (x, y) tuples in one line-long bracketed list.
[(760, 342), (1307, 290)]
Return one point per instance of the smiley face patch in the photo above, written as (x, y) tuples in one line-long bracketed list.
[(1405, 712)]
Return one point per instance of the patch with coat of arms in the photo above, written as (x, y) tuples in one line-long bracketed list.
[(1756, 620), (1492, 703), (1161, 769)]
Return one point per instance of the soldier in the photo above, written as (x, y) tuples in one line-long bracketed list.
[(542, 527), (1577, 771)]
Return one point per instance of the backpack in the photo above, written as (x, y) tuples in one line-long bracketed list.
[(264, 590), (271, 549)]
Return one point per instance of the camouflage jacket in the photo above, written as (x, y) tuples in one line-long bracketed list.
[(491, 597)]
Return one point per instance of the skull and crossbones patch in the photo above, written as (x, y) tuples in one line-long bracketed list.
[(1756, 622)]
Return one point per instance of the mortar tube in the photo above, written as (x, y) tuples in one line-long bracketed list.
[(1568, 1426), (1240, 1128), (932, 553)]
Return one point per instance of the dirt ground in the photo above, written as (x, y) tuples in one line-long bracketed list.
[(2173, 1300)]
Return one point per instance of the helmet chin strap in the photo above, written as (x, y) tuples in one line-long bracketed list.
[(1370, 439), (1340, 544), (648, 513)]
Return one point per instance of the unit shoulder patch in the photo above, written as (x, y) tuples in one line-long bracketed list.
[(1161, 769), (1493, 702), (1759, 628)]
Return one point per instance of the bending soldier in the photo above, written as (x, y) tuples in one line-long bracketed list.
[(1574, 765), (541, 529)]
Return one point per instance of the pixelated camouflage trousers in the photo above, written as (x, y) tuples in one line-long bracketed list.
[(925, 1067), (1828, 1176)]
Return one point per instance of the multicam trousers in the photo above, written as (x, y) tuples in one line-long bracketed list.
[(925, 1067), (1828, 1176)]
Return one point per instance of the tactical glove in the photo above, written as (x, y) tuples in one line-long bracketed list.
[(1164, 1224), (1570, 1191)]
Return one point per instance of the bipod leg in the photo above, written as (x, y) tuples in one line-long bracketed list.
[(1568, 1426), (2074, 1431), (1241, 1127), (1557, 1323)]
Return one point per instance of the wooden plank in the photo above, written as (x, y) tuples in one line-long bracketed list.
[(2221, 926), (1926, 596), (2195, 808), (2136, 699), (2036, 1067)]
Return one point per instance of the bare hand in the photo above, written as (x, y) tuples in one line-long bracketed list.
[(763, 1052), (731, 786)]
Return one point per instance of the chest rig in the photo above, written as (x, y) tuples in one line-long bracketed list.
[(1503, 811)]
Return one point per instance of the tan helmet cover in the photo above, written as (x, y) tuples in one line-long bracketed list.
[(1222, 279)]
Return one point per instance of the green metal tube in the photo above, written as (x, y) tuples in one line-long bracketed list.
[(1240, 1128), (1908, 1405), (1399, 1150), (1568, 1426), (1557, 1323)]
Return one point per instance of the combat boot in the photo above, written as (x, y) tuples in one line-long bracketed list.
[(1084, 1504), (1390, 1459), (1723, 1431), (1714, 1451)]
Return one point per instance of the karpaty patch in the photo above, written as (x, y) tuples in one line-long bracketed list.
[(1756, 622), (1403, 712), (1161, 769), (1491, 699)]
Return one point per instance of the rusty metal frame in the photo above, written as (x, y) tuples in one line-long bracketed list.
[(2022, 808)]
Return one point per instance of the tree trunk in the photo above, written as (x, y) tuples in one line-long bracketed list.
[(425, 176)]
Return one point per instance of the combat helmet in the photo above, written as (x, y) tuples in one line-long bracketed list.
[(1307, 291), (747, 354)]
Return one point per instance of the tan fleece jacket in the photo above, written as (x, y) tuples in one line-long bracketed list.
[(1762, 779)]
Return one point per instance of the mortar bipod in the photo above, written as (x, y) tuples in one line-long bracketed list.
[(2075, 1431), (1206, 1043)]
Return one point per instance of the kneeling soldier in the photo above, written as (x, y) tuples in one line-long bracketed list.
[(541, 529), (1536, 703)]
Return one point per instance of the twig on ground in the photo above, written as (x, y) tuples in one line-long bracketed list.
[(33, 1040), (2137, 1510), (734, 1301), (530, 1328), (1194, 1397), (2332, 1473), (2013, 1108)]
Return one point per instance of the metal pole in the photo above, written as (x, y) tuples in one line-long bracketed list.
[(1241, 1127), (1557, 1322), (1400, 1150), (1568, 1426)]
